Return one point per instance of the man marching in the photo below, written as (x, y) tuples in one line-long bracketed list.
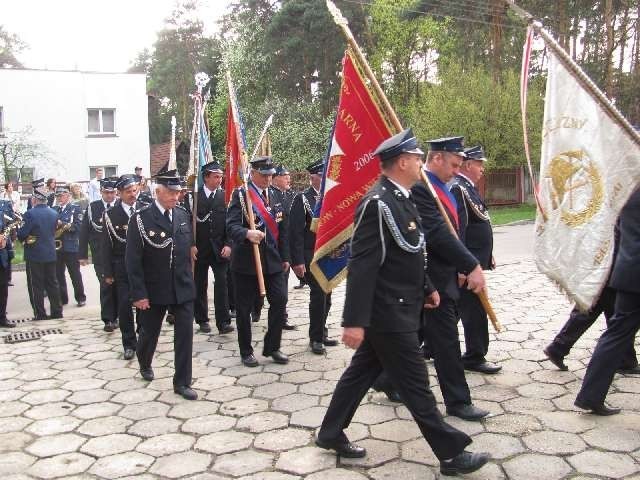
[(160, 249), (270, 235), (91, 237)]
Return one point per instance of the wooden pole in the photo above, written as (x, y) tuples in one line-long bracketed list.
[(386, 105)]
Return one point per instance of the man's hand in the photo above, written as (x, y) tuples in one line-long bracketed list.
[(492, 265), (352, 337), (255, 236), (432, 300), (194, 253), (285, 266), (225, 252), (3, 241), (83, 261), (142, 304), (475, 280), (108, 280), (299, 270)]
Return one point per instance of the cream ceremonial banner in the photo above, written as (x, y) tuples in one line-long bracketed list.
[(589, 166)]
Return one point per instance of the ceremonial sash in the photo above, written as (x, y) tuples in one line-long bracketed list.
[(265, 215), (446, 197)]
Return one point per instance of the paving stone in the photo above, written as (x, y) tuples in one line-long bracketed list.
[(104, 426), (61, 465), (418, 451), (83, 384), (227, 394), (263, 422), (557, 443), (372, 414), (396, 430), (224, 442), (14, 441), (55, 444), (208, 424), (338, 474), (616, 439), (15, 462), (257, 379), (512, 424), (181, 464), (269, 476), (404, 470), (242, 463), (536, 467), (541, 390), (213, 382), (152, 427), (501, 446), (274, 390), (319, 387), (301, 376), (13, 424), (309, 417), (110, 445), (294, 402), (140, 411), (53, 426), (606, 464), (378, 452), (566, 421), (306, 460), (96, 410), (189, 409), (138, 395), (166, 444), (122, 464), (86, 397), (282, 440), (12, 409), (243, 407)]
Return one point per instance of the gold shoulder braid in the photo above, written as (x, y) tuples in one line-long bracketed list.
[(151, 243), (112, 230), (479, 210)]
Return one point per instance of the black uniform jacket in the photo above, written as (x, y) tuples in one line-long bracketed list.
[(446, 254), (211, 231), (386, 285), (161, 274), (302, 240), (285, 197), (70, 214), (475, 226), (91, 231), (271, 255), (626, 270), (114, 236)]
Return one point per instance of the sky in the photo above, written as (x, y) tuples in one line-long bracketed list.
[(92, 35)]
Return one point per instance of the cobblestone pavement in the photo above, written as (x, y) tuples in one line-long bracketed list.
[(71, 407)]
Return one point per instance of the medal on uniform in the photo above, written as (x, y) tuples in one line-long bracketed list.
[(162, 235), (152, 233), (412, 226)]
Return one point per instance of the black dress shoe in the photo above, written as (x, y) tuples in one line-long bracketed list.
[(317, 348), (255, 316), (250, 360), (7, 324), (484, 367), (57, 316), (186, 392), (555, 359), (278, 357), (129, 353), (330, 342), (288, 326), (171, 318), (109, 327), (232, 313), (82, 303), (205, 327), (630, 370), (603, 410), (226, 328), (467, 411), (465, 462), (393, 396), (147, 373), (344, 448)]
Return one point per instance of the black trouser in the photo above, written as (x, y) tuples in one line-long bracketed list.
[(220, 293), (319, 305), (613, 345), (246, 289), (441, 335), (4, 290), (41, 277), (476, 327), (231, 291), (70, 261), (108, 297), (125, 308), (150, 323), (579, 322), (398, 354)]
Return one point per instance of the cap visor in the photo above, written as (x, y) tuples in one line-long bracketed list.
[(268, 171), (415, 151)]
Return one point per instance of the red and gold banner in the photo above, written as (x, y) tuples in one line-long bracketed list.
[(233, 150)]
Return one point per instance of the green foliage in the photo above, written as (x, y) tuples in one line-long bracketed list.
[(10, 46), (504, 215)]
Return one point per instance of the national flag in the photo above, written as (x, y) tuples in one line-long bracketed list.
[(350, 170), (589, 167), (235, 148), (204, 145)]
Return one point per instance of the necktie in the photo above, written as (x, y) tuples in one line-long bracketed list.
[(265, 197), (130, 211), (167, 215), (211, 195), (108, 206)]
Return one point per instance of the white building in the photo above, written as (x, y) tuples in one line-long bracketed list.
[(85, 120)]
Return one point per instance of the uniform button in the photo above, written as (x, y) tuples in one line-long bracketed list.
[(401, 300)]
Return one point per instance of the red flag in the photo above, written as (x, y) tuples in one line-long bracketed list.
[(234, 167), (351, 170)]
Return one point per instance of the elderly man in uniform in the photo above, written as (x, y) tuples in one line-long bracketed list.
[(214, 250), (387, 289), (270, 234), (5, 247), (38, 236), (302, 243), (113, 249), (477, 235), (69, 222), (158, 258), (449, 260), (91, 238)]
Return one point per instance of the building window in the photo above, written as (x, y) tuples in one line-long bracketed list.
[(101, 121), (109, 171), (23, 176)]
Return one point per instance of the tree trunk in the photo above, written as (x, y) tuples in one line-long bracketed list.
[(563, 24), (608, 58), (624, 35), (498, 11)]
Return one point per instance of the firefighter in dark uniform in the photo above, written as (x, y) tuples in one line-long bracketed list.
[(69, 222), (38, 236), (214, 250), (271, 237), (143, 197), (113, 249), (448, 258), (91, 237), (477, 235), (36, 184), (5, 248), (618, 338), (302, 242), (387, 289), (158, 258)]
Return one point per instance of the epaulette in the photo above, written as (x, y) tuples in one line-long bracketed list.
[(143, 208), (182, 208)]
